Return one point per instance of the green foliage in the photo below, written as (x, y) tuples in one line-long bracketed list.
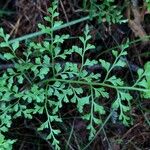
[(5, 144), (39, 78), (105, 10), (147, 81), (148, 4)]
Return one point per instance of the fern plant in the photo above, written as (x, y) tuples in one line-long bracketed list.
[(106, 11), (37, 77)]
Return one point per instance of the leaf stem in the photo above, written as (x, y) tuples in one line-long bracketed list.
[(96, 84), (113, 65)]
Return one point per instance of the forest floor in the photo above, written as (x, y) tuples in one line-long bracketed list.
[(20, 17)]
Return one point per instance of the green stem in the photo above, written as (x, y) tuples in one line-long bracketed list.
[(113, 65), (47, 113), (82, 63), (52, 46), (39, 33), (92, 105), (107, 119), (96, 84)]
